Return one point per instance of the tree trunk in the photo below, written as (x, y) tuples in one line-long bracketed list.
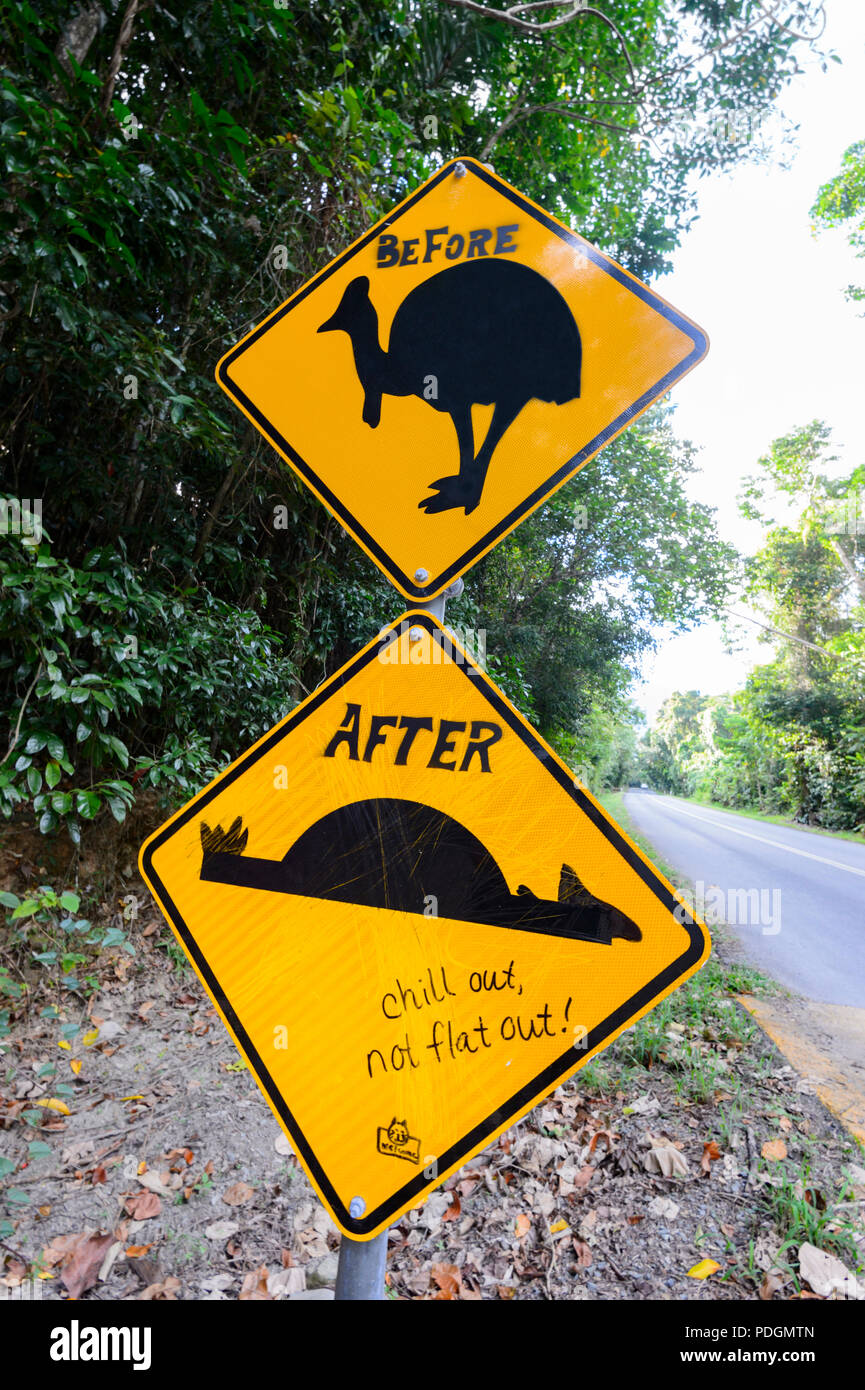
[(79, 34), (849, 568)]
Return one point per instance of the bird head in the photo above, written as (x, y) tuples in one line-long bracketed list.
[(355, 297)]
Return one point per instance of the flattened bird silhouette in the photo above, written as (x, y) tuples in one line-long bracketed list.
[(484, 332), (398, 854)]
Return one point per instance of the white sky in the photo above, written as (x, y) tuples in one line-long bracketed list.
[(786, 346)]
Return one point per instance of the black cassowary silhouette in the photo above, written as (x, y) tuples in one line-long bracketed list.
[(484, 332), (404, 855)]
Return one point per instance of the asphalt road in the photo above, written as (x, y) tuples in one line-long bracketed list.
[(795, 900)]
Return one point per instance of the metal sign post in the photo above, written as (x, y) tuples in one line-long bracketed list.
[(363, 1263), (361, 1269), (407, 791)]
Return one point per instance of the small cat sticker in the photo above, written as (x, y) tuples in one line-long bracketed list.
[(396, 1142)]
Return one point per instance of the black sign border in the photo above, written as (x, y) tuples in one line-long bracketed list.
[(556, 1071), (436, 584)]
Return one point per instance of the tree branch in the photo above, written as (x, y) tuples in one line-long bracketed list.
[(27, 694), (78, 34), (516, 115), (123, 40), (806, 38), (576, 10), (772, 15), (788, 636)]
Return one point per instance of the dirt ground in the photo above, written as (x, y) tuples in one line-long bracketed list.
[(169, 1177)]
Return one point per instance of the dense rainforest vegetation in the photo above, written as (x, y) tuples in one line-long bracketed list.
[(170, 175), (793, 741)]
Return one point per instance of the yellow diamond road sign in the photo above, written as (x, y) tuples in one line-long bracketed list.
[(453, 368), (413, 920)]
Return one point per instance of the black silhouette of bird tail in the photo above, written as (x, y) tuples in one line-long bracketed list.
[(219, 841)]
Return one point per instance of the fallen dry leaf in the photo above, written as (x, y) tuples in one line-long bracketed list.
[(711, 1154), (583, 1253), (664, 1208), (666, 1159), (453, 1211), (449, 1279), (826, 1274), (607, 1137), (254, 1286), (238, 1194), (703, 1269), (285, 1282), (53, 1103), (221, 1230), (81, 1271), (774, 1149), (164, 1292), (770, 1286), (136, 1251), (75, 1065), (143, 1205), (522, 1226)]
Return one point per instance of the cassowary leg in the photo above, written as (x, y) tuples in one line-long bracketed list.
[(456, 491), (503, 416)]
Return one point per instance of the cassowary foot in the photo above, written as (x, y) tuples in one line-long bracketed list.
[(452, 492)]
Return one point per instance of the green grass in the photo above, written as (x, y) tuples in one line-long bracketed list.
[(175, 953), (800, 1212), (614, 803)]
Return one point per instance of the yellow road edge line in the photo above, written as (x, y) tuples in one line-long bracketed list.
[(839, 1097)]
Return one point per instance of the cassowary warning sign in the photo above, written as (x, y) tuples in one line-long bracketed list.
[(412, 918), (453, 368)]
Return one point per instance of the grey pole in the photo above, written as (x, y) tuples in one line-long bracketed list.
[(436, 606), (362, 1263), (361, 1268)]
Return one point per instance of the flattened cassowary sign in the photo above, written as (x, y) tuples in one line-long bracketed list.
[(453, 368), (412, 918)]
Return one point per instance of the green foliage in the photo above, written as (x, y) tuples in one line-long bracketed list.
[(801, 1212), (573, 598), (45, 931), (114, 675), (153, 212), (841, 202), (792, 741)]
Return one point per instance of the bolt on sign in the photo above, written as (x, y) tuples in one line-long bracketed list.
[(413, 920), (461, 361)]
